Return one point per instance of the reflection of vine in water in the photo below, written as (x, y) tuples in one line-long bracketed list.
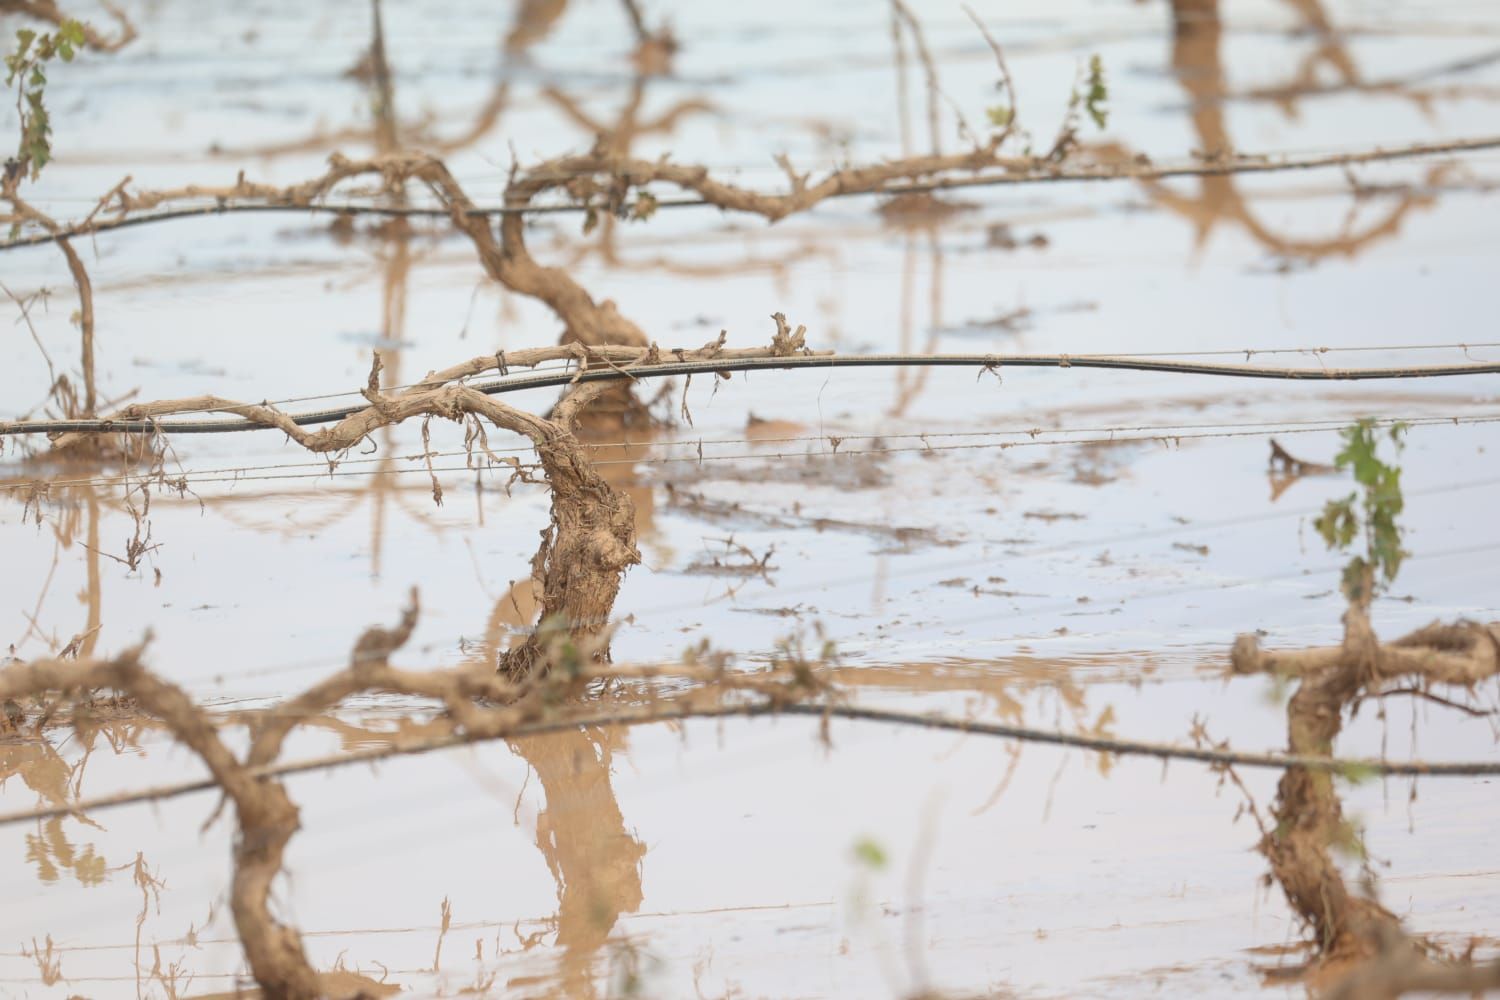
[(596, 863), (1197, 62), (32, 756), (1331, 51), (533, 22), (58, 781), (28, 750), (911, 382), (915, 213), (395, 252), (91, 723), (581, 833)]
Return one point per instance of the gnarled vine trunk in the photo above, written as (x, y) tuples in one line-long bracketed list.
[(584, 554)]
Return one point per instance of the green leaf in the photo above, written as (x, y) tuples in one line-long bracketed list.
[(1098, 93), (999, 115), (34, 149), (1349, 840), (1380, 504), (1338, 523), (870, 854)]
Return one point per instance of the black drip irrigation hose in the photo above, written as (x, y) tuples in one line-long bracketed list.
[(994, 363)]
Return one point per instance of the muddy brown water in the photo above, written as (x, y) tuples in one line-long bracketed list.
[(1090, 576)]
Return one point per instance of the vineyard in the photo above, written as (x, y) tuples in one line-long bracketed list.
[(652, 499)]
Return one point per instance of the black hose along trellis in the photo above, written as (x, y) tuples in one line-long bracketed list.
[(995, 363)]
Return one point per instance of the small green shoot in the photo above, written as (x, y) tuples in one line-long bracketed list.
[(1371, 512), (1357, 773), (27, 64), (870, 855), (1349, 840), (1098, 93), (563, 654), (1090, 92), (999, 115)]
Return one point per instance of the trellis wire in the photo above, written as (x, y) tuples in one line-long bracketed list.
[(329, 467)]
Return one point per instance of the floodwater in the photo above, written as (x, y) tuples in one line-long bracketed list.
[(1064, 548)]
